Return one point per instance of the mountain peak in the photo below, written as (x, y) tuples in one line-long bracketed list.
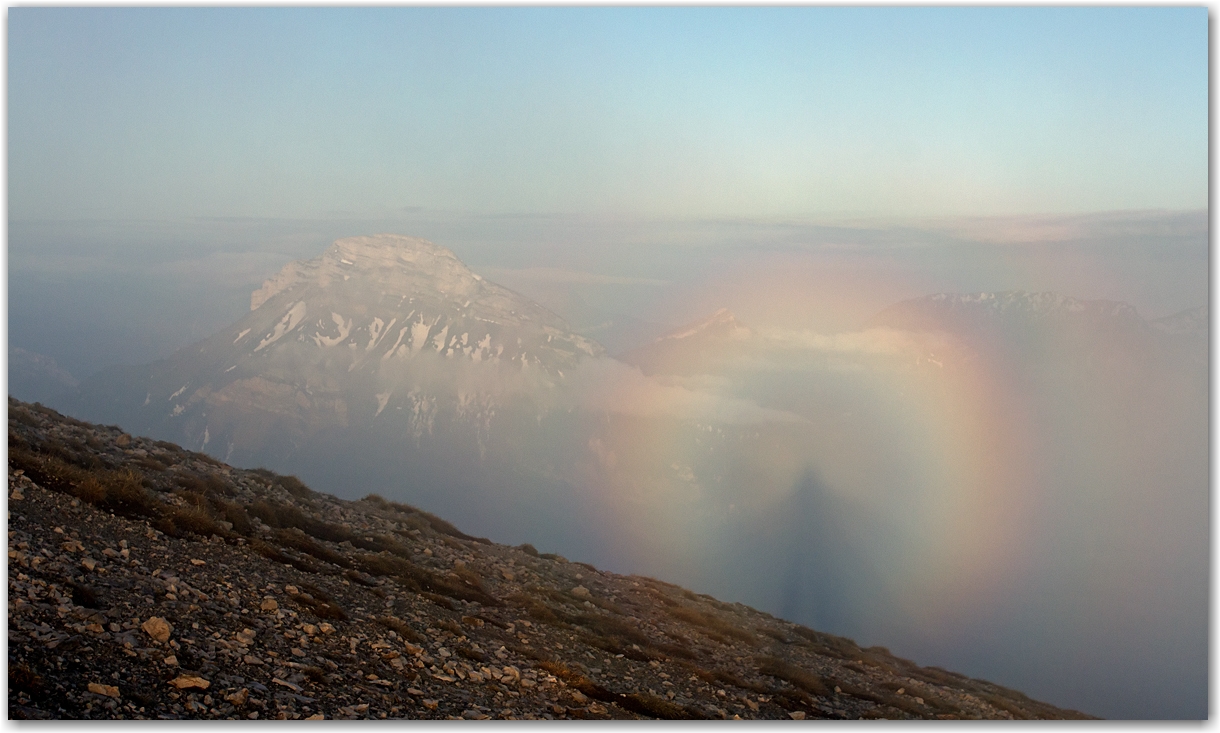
[(693, 347), (387, 243), (396, 251), (361, 287), (721, 323), (391, 261)]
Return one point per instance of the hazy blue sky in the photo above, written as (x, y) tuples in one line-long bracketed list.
[(672, 112)]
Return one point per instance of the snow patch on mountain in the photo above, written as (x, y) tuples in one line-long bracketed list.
[(419, 333), (290, 321), (377, 332), (345, 327)]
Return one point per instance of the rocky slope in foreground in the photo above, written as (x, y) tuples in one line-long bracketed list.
[(147, 581)]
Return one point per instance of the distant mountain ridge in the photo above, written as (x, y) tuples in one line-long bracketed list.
[(1192, 321), (721, 324), (1031, 326), (964, 310), (37, 377), (690, 347)]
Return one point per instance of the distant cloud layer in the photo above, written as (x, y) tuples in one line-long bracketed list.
[(1075, 227), (872, 342), (605, 385), (559, 275)]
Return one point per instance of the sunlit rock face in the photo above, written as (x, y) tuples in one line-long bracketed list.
[(383, 327)]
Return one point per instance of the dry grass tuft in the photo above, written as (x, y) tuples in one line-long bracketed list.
[(189, 519), (450, 626), (385, 565), (639, 703), (828, 644), (797, 677), (723, 677), (711, 625), (23, 679), (121, 492), (301, 542), (318, 602), (284, 516), (235, 514), (656, 707), (611, 626), (400, 627), (471, 654), (291, 484), (295, 486), (536, 609), (273, 553), (466, 587), (439, 600), (150, 463)]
